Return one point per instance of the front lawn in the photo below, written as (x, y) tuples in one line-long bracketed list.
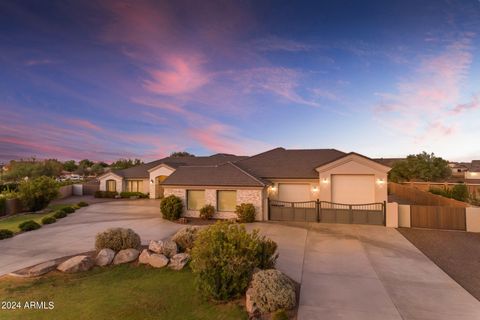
[(11, 223), (120, 292)]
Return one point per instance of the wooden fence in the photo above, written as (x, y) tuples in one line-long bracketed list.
[(473, 188), (425, 198), (438, 217)]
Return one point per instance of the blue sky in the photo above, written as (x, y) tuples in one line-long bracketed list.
[(110, 79)]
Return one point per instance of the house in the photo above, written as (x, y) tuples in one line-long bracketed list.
[(225, 180), (458, 169)]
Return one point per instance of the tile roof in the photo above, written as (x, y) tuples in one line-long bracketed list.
[(227, 174)]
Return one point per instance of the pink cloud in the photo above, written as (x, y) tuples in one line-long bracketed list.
[(83, 124), (463, 107)]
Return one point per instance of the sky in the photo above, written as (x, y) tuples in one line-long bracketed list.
[(140, 79)]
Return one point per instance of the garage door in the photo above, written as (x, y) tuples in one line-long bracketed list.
[(353, 189), (293, 192)]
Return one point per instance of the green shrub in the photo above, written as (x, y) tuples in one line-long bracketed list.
[(48, 220), (82, 204), (117, 239), (223, 259), (271, 290), (5, 233), (59, 214), (171, 207), (185, 238), (460, 192), (68, 210), (133, 194), (3, 205), (29, 225), (105, 194), (280, 315), (207, 211), (245, 212), (37, 193), (76, 207), (266, 254)]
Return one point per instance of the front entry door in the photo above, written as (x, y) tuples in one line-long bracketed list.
[(158, 187)]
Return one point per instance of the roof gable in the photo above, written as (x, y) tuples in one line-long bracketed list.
[(355, 157)]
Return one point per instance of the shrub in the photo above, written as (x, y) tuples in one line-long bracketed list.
[(76, 207), (37, 193), (245, 212), (266, 255), (460, 192), (5, 233), (271, 290), (105, 194), (3, 205), (207, 211), (59, 214), (117, 239), (223, 259), (133, 194), (68, 210), (171, 207), (185, 237), (280, 315), (82, 204), (29, 225), (48, 220)]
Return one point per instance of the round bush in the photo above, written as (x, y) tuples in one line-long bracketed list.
[(245, 212), (68, 210), (48, 220), (5, 233), (223, 259), (117, 239), (271, 290), (59, 214), (266, 254), (184, 238), (29, 225), (171, 207), (82, 204), (207, 211)]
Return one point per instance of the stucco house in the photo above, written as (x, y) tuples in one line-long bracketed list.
[(282, 175)]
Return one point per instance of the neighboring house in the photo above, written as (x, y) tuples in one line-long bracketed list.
[(225, 180), (468, 170), (458, 169)]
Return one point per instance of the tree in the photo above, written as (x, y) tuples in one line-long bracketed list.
[(33, 168), (70, 165), (37, 193), (423, 166), (98, 168), (85, 163), (178, 154), (125, 163)]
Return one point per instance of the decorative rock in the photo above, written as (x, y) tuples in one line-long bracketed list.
[(126, 255), (76, 264), (144, 257), (157, 260), (104, 257), (178, 261), (42, 268), (168, 247), (183, 220)]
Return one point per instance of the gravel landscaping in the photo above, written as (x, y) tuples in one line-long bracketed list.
[(455, 252)]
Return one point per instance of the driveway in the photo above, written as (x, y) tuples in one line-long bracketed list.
[(76, 233)]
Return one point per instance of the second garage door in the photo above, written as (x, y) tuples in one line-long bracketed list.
[(293, 192), (353, 189)]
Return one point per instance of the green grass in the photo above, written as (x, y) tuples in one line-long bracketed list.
[(120, 292), (11, 223)]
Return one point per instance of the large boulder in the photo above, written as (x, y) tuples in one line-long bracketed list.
[(157, 260), (42, 268), (166, 247), (76, 264), (178, 261), (126, 255), (104, 257), (185, 237), (270, 290), (144, 257)]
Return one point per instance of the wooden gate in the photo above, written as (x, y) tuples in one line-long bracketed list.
[(328, 212), (438, 217)]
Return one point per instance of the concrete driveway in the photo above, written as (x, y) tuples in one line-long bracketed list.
[(76, 233)]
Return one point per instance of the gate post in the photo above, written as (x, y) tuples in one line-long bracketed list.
[(268, 208), (319, 208), (384, 212), (350, 211)]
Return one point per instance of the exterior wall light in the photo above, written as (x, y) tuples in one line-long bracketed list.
[(314, 189), (325, 180), (380, 181), (151, 181)]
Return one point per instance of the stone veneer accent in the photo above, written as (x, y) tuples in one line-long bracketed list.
[(253, 196)]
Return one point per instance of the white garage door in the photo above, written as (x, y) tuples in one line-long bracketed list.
[(353, 189), (293, 192)]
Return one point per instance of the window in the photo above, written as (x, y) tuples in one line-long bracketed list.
[(111, 185), (226, 200), (134, 185), (195, 199)]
